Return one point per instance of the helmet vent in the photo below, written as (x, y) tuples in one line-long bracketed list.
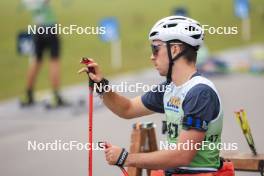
[(197, 36), (153, 33), (170, 25)]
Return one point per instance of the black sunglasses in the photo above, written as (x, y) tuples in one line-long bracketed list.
[(155, 48)]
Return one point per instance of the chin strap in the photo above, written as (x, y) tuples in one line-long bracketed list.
[(171, 60)]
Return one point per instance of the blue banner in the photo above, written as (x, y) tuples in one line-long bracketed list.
[(241, 8), (111, 29)]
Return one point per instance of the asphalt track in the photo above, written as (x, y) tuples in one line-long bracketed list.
[(18, 126)]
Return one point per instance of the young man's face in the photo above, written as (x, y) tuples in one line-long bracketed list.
[(159, 57)]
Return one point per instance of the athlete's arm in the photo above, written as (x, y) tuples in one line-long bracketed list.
[(166, 159), (148, 103), (124, 107), (163, 159)]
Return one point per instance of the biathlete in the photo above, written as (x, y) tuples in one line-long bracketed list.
[(190, 102)]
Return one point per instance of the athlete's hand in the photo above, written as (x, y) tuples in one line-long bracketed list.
[(97, 75), (112, 153)]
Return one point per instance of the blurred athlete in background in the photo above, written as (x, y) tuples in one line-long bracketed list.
[(43, 16)]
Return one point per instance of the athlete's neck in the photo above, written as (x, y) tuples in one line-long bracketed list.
[(182, 72)]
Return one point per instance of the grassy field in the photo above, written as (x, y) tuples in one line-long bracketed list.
[(136, 19)]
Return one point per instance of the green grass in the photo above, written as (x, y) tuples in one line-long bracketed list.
[(136, 18)]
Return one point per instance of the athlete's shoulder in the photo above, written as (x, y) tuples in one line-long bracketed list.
[(201, 102), (198, 78)]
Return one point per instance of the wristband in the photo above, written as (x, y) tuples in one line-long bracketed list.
[(100, 86), (122, 158)]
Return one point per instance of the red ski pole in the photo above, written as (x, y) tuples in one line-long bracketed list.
[(86, 61)]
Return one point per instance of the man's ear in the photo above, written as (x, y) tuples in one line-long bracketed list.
[(175, 50)]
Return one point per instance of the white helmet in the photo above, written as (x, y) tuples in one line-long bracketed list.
[(180, 28)]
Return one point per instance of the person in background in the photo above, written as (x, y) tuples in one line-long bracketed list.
[(43, 16)]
